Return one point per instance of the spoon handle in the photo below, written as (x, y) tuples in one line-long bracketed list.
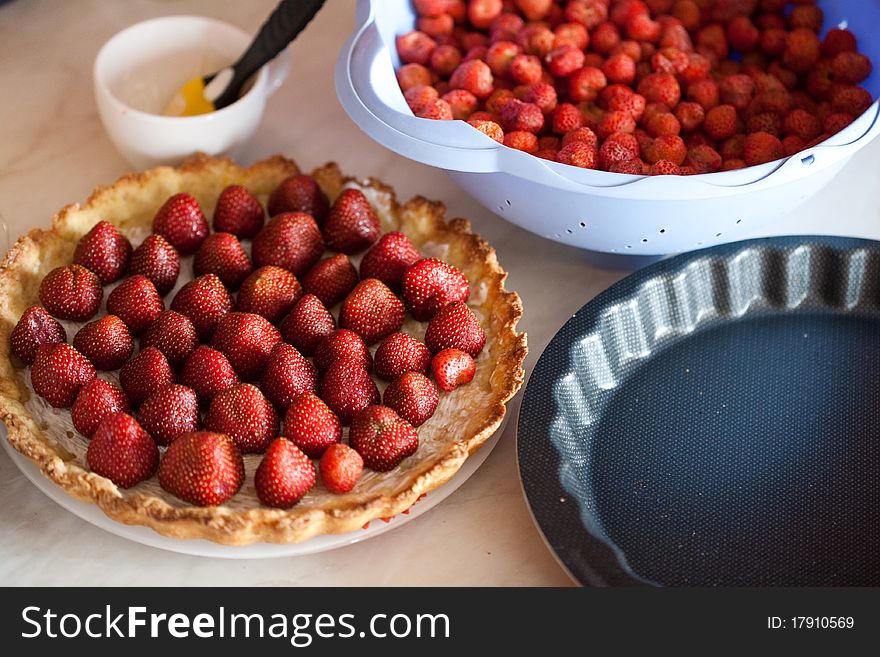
[(283, 25)]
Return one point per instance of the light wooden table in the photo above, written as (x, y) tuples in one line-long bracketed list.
[(53, 151)]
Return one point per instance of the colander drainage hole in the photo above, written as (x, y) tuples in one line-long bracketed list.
[(662, 231), (507, 201), (569, 231), (644, 240), (809, 159), (717, 234), (739, 221), (583, 224), (629, 246)]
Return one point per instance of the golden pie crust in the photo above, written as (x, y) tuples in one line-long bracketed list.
[(464, 419)]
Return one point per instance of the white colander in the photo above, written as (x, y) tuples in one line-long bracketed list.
[(595, 210)]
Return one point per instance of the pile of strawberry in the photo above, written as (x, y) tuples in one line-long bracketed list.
[(215, 375), (636, 86)]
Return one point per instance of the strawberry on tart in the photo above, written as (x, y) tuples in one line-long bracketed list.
[(265, 375)]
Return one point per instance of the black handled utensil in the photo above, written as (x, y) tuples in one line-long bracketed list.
[(217, 90)]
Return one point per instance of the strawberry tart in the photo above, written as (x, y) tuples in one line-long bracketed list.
[(253, 354)]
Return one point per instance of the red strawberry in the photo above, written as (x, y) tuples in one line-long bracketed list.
[(58, 373), (156, 259), (851, 100), (431, 7), (291, 240), (331, 279), (284, 475), (438, 109), (72, 292), (802, 50), (347, 388), (202, 468), (579, 154), (415, 47), (352, 224), (222, 254), (452, 368), (299, 193), (181, 221), (761, 147), (372, 311), (287, 375), (341, 467), (170, 412), (238, 212), (145, 374), (801, 123), (400, 353), (311, 425), (838, 40), (456, 326), (136, 302), (474, 75), (207, 371), (246, 340), (389, 258), (35, 327), (122, 451), (492, 129), (105, 251), (244, 414), (307, 324), (720, 122), (106, 342), (851, 67), (430, 284), (382, 438), (205, 301), (96, 400), (172, 334), (270, 291), (413, 397), (343, 345)]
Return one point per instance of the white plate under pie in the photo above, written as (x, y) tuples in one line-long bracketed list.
[(202, 548)]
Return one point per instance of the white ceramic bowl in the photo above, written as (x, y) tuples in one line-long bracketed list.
[(595, 210), (139, 69)]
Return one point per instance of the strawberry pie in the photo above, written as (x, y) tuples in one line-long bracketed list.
[(253, 354)]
